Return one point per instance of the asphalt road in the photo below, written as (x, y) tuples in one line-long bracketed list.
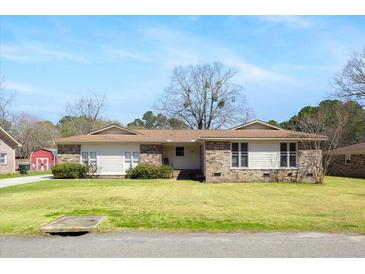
[(24, 180), (161, 244)]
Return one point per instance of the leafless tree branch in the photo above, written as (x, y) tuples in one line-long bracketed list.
[(349, 84), (89, 109), (204, 96)]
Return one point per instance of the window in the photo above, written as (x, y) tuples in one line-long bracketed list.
[(131, 159), (92, 160), (244, 155), (288, 157), (128, 160), (135, 159), (292, 154), (3, 160), (89, 158), (235, 154), (283, 154), (85, 158), (239, 155), (348, 159), (179, 151)]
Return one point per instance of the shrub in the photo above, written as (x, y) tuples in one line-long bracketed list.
[(150, 171), (69, 171), (166, 171)]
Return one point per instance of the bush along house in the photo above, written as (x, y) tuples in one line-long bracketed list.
[(251, 152)]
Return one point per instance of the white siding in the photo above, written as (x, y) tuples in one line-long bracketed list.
[(110, 157), (263, 155), (190, 160)]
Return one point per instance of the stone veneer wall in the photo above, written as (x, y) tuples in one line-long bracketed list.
[(356, 169), (151, 154), (218, 161), (68, 153)]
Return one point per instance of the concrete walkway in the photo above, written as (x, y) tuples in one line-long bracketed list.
[(162, 244), (24, 180)]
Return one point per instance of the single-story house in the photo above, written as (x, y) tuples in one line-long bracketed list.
[(255, 151), (7, 152), (43, 159), (348, 161)]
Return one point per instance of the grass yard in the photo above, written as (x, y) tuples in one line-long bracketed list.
[(17, 174), (336, 206)]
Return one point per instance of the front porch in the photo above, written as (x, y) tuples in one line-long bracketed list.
[(186, 160), (182, 156)]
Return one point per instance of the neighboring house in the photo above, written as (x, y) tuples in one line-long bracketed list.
[(348, 161), (255, 151), (43, 159), (7, 152)]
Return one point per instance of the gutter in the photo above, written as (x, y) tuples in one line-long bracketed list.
[(263, 139)]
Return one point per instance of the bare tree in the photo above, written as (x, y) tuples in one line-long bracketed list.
[(85, 112), (32, 133), (350, 83), (5, 102), (329, 121), (204, 96)]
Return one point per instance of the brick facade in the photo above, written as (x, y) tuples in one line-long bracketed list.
[(218, 168), (151, 154), (68, 153), (356, 169)]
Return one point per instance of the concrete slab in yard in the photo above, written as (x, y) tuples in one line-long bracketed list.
[(73, 224)]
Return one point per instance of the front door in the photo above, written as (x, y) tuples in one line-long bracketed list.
[(42, 164)]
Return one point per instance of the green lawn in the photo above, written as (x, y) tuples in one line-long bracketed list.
[(336, 206), (17, 174)]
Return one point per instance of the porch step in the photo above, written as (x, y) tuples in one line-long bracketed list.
[(187, 174)]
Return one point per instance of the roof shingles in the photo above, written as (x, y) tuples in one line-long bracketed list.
[(352, 149), (165, 135)]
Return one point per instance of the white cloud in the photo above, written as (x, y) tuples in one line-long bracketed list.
[(253, 73), (297, 22), (11, 53), (22, 88), (33, 53), (56, 54), (179, 48), (127, 54)]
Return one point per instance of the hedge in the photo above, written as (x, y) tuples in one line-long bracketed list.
[(69, 171), (150, 171)]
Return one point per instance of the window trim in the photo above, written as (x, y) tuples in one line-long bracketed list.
[(348, 158), (288, 153), (239, 156), (88, 157), (131, 162), (5, 158)]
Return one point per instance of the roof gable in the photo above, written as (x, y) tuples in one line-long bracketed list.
[(114, 129), (6, 137), (257, 125)]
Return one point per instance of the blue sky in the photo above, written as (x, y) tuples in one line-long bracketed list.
[(284, 62)]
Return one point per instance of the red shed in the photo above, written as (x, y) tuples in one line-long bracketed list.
[(43, 159)]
